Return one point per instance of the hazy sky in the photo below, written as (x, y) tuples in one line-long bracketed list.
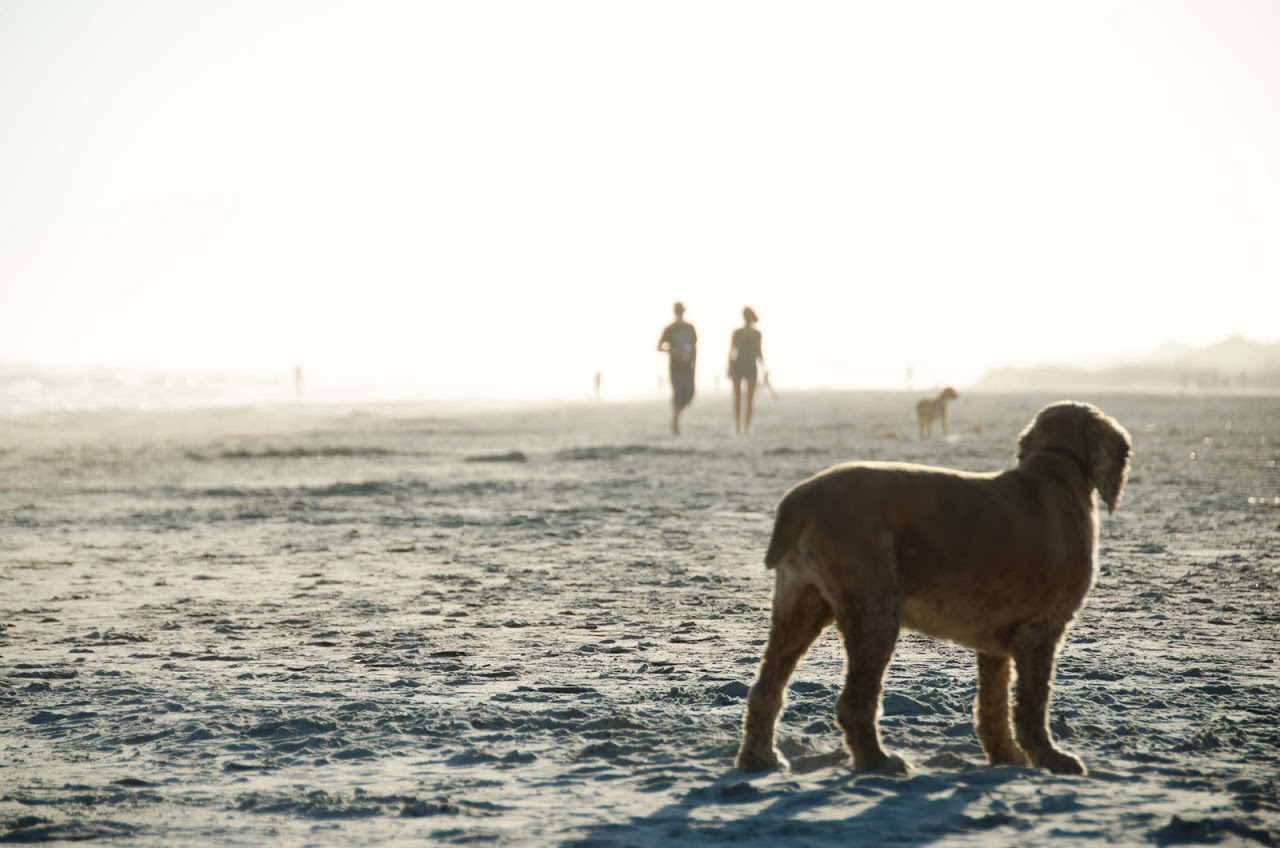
[(505, 197)]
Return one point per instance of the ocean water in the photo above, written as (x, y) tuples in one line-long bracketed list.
[(42, 388), (34, 388)]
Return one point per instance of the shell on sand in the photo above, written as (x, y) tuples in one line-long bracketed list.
[(296, 624)]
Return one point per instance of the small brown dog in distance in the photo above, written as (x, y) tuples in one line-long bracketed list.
[(930, 409), (1000, 563)]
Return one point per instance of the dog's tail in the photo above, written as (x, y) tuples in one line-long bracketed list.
[(786, 531)]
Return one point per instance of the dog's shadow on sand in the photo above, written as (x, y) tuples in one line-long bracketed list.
[(746, 809)]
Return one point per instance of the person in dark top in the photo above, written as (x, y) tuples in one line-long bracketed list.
[(680, 341), (745, 350)]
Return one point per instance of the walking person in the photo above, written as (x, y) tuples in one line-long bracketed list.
[(680, 341), (745, 350)]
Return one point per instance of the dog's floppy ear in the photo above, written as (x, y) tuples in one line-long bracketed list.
[(1109, 450), (1098, 439)]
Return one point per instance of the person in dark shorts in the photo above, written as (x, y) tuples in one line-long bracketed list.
[(680, 341), (745, 350)]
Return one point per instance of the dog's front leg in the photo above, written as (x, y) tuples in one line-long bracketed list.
[(1035, 650), (991, 711), (799, 615)]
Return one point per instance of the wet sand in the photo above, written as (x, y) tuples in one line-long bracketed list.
[(303, 625)]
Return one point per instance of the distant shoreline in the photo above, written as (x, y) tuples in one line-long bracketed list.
[(322, 408)]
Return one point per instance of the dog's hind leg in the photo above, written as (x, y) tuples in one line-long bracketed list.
[(800, 614), (870, 631), (991, 711), (1035, 651)]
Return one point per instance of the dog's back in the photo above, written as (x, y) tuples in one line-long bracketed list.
[(845, 498), (944, 542)]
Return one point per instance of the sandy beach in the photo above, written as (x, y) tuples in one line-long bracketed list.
[(307, 625)]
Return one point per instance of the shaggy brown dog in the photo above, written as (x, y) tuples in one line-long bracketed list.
[(931, 408), (1000, 563)]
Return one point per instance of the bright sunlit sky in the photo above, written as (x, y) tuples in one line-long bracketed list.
[(506, 197)]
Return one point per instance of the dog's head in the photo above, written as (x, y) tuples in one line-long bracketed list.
[(1083, 430), (948, 394)]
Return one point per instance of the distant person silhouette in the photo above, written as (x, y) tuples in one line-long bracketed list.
[(745, 350), (680, 341)]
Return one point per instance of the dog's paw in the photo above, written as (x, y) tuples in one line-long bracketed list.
[(1009, 757), (756, 761), (885, 763), (1060, 762), (896, 765)]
